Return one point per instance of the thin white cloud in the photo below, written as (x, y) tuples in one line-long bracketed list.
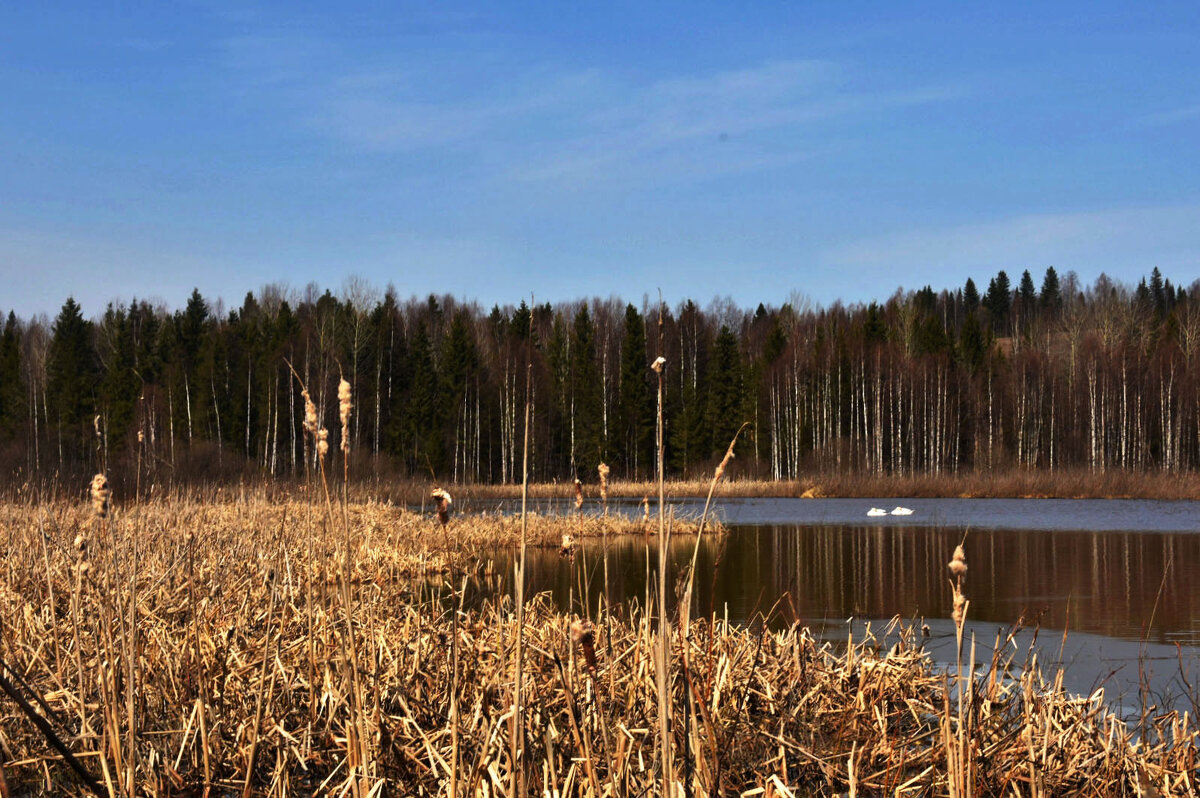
[(534, 122)]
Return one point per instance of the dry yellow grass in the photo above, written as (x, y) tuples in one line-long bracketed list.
[(210, 645)]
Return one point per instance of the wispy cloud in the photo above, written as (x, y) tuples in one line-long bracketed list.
[(537, 122)]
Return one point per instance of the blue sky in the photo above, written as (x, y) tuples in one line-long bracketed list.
[(842, 150)]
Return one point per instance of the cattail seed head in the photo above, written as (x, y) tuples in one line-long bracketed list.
[(958, 563), (100, 495), (578, 494), (442, 497), (583, 636), (567, 549), (646, 508), (80, 543), (603, 470), (141, 437), (960, 608), (344, 407), (310, 413), (658, 364), (322, 442)]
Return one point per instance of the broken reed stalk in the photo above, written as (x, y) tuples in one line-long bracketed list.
[(517, 729), (718, 472)]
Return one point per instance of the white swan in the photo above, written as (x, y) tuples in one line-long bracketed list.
[(901, 511), (874, 512)]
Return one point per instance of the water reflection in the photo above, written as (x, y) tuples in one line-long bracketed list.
[(1127, 585)]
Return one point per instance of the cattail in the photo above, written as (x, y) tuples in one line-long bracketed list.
[(322, 442), (584, 637), (658, 364), (603, 470), (646, 509), (442, 497), (958, 564), (310, 413), (578, 494), (141, 437), (960, 608), (720, 470), (958, 567), (100, 495), (80, 543), (344, 406), (567, 549)]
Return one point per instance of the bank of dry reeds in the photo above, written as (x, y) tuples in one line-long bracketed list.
[(210, 646), (1001, 484)]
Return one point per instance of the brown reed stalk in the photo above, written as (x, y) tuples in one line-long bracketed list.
[(664, 643), (517, 728), (957, 766)]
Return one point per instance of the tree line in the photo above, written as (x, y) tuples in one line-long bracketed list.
[(1038, 376)]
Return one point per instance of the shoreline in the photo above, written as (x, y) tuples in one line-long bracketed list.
[(1014, 485)]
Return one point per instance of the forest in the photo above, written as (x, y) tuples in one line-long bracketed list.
[(1041, 376)]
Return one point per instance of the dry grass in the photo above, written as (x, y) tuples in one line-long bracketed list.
[(210, 645)]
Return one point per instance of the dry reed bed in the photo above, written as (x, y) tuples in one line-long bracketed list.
[(1014, 483), (223, 646)]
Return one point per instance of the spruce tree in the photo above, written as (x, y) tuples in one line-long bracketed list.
[(1050, 297), (12, 393), (590, 449), (724, 392), (635, 403), (71, 373)]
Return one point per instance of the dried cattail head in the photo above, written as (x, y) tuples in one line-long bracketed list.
[(100, 495), (578, 494), (96, 425), (567, 549), (322, 442), (310, 413), (603, 470), (344, 407), (960, 607), (658, 364), (958, 564), (646, 508), (720, 470), (80, 543), (442, 497), (583, 636), (141, 437)]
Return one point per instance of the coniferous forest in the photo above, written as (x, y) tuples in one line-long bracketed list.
[(1041, 375)]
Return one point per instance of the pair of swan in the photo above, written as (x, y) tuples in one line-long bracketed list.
[(875, 512)]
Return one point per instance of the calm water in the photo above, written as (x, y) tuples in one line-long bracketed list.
[(1120, 575)]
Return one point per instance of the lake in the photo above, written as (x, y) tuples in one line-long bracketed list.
[(1118, 575)]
